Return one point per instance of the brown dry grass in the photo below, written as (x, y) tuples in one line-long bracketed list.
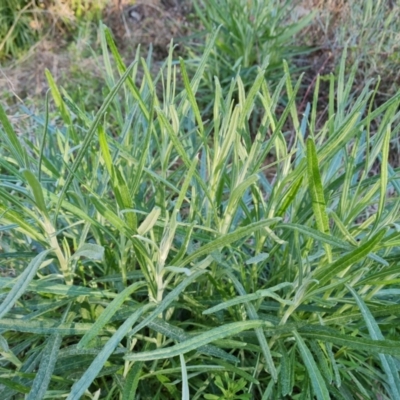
[(160, 21)]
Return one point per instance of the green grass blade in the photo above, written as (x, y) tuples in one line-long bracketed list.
[(45, 131), (390, 347), (105, 151), (317, 193), (185, 383), (227, 239), (79, 387), (317, 382), (58, 99), (132, 381), (259, 294), (22, 283), (324, 275), (180, 335), (36, 190), (15, 146), (168, 299), (89, 136), (46, 368), (388, 363), (259, 331), (46, 327), (13, 217), (288, 197), (196, 341), (384, 175), (107, 314), (149, 221), (317, 235), (191, 98)]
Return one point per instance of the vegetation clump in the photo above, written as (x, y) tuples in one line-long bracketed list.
[(152, 248)]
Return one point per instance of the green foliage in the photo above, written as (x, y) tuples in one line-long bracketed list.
[(23, 22), (16, 30), (157, 258), (252, 34)]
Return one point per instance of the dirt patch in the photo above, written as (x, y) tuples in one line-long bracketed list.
[(132, 23)]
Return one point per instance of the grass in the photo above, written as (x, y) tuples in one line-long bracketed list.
[(251, 35), (158, 255), (153, 248)]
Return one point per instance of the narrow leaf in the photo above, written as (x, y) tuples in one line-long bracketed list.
[(46, 368), (79, 388), (22, 282), (317, 382), (196, 341), (107, 314), (317, 193)]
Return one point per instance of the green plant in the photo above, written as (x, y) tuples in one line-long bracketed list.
[(153, 254), (368, 29), (17, 26), (252, 34), (23, 22)]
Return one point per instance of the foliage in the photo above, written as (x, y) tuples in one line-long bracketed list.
[(23, 22), (252, 34), (159, 256), (16, 29)]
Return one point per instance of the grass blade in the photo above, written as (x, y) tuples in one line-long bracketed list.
[(107, 314), (46, 368), (89, 136), (227, 239), (79, 387), (317, 382), (196, 341), (317, 193), (22, 283), (388, 363)]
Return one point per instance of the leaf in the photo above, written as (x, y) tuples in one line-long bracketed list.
[(288, 197), (317, 193), (317, 382), (388, 363), (36, 190), (46, 368), (22, 283), (315, 234), (131, 382), (57, 98), (46, 327), (257, 259), (15, 146), (124, 200), (149, 221), (185, 383), (266, 351), (168, 299), (196, 341), (390, 347), (91, 251), (190, 95), (324, 275), (173, 332), (89, 136), (79, 387), (259, 294), (24, 226), (227, 239), (107, 314)]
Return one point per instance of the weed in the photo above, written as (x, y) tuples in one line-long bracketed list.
[(156, 259)]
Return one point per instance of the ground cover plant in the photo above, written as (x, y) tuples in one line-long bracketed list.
[(156, 254), (251, 35), (24, 22)]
